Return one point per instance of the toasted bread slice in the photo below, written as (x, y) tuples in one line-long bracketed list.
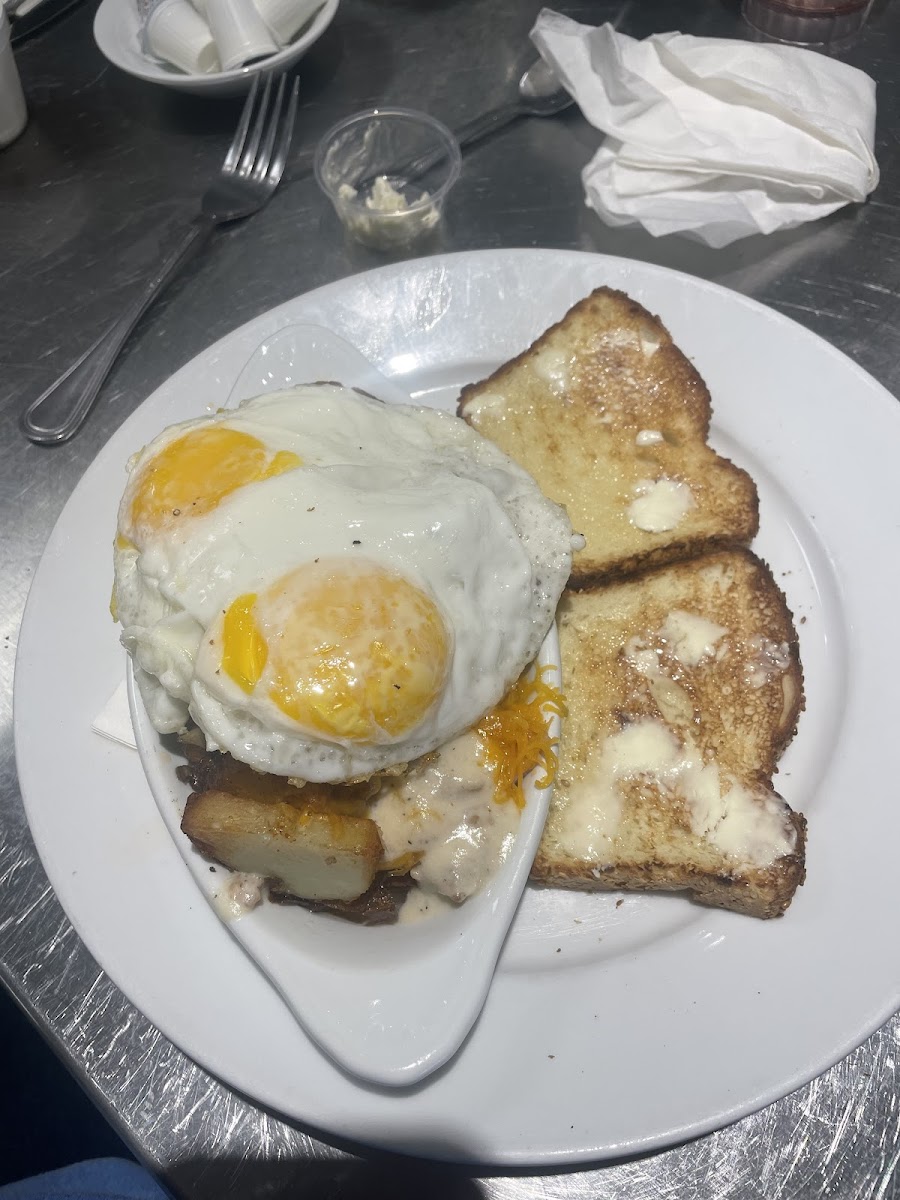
[(683, 687), (611, 419)]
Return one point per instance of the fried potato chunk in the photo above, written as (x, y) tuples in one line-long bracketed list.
[(300, 848)]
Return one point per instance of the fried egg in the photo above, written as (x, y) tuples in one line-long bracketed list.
[(330, 586)]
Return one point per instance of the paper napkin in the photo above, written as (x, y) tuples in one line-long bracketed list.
[(114, 721), (714, 137)]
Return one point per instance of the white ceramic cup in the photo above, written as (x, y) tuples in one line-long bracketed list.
[(13, 114)]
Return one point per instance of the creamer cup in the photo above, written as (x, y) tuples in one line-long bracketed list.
[(176, 33), (240, 33), (286, 18)]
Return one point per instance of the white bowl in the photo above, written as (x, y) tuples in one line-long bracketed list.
[(117, 31)]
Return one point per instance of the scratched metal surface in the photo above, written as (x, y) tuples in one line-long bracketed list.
[(94, 189)]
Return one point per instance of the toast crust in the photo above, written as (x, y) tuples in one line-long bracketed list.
[(762, 893), (577, 410)]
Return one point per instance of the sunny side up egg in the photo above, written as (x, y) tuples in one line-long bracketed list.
[(329, 585)]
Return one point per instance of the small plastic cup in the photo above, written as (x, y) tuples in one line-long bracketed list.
[(241, 35), (286, 18), (176, 33), (388, 172), (807, 22)]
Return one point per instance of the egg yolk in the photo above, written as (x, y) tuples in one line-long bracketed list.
[(244, 650), (350, 651), (192, 474)]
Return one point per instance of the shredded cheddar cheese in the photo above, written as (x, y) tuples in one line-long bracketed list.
[(515, 737)]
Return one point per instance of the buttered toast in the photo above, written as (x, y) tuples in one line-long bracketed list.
[(611, 419), (683, 686)]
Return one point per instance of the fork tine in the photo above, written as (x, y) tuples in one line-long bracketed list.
[(237, 142), (276, 170), (252, 146), (264, 156)]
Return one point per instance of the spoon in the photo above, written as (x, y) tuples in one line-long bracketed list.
[(540, 95)]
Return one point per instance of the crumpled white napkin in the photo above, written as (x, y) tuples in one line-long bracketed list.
[(714, 137)]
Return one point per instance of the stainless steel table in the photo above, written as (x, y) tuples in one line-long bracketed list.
[(94, 189)]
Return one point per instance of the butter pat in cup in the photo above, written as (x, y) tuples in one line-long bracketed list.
[(388, 172)]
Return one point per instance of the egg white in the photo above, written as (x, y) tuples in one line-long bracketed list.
[(413, 490)]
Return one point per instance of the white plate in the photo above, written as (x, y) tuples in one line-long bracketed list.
[(117, 32), (609, 1029)]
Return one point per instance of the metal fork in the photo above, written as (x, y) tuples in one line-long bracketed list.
[(250, 174)]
